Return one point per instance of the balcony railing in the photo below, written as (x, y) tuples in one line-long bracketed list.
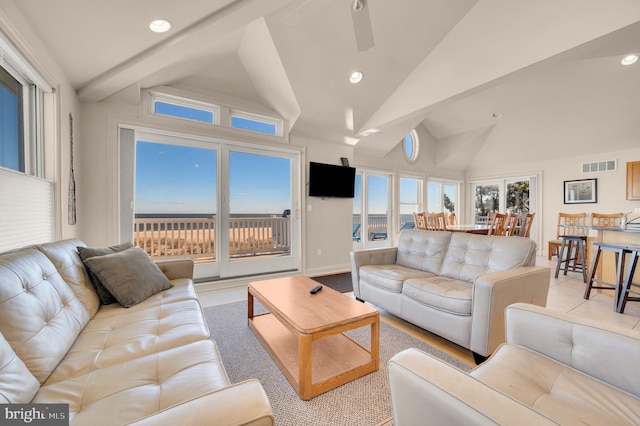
[(195, 237)]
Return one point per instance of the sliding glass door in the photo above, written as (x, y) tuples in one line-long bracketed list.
[(233, 209)]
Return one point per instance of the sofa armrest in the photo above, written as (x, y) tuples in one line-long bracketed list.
[(176, 268), (377, 256), (580, 343), (493, 292), (243, 403), (426, 388)]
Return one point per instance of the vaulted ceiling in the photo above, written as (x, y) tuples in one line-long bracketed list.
[(550, 68)]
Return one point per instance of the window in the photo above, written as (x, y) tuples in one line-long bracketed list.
[(410, 200), (442, 196), (11, 124), (410, 146), (184, 108), (256, 123), (21, 94), (181, 104), (372, 209)]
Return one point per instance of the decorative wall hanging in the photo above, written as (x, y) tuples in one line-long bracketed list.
[(72, 180), (580, 191)]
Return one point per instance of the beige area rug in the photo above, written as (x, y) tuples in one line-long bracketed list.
[(364, 401)]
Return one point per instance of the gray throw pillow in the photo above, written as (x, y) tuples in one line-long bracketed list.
[(106, 298), (130, 275)]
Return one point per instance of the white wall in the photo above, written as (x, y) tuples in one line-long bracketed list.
[(58, 105), (611, 196)]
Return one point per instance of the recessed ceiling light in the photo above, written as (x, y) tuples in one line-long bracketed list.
[(356, 77), (629, 59), (496, 115), (160, 26)]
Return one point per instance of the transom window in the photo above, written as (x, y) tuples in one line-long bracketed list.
[(410, 146), (201, 111), (256, 123), (185, 108)]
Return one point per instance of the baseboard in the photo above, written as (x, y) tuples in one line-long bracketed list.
[(328, 270)]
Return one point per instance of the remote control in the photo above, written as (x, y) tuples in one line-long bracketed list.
[(315, 289)]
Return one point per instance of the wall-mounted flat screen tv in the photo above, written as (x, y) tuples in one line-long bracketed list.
[(331, 181)]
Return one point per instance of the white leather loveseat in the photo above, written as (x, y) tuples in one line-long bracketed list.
[(151, 363), (553, 369), (453, 284)]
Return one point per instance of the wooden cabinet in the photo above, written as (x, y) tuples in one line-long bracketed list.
[(633, 180)]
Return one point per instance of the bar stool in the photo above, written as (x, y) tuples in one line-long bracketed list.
[(578, 260), (624, 297), (620, 252)]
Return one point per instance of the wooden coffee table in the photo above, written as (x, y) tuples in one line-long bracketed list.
[(303, 333)]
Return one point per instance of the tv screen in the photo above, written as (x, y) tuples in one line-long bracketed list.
[(330, 181)]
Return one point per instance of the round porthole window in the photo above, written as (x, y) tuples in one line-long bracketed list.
[(410, 146)]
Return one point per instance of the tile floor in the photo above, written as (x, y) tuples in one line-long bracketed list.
[(565, 294)]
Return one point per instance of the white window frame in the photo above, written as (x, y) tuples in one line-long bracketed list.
[(415, 141), (277, 122), (155, 97), (34, 86), (421, 192), (443, 182)]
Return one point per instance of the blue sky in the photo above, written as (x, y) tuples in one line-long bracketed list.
[(179, 179)]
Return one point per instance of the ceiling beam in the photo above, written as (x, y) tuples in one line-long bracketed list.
[(182, 45)]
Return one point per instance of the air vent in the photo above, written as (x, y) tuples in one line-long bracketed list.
[(600, 166)]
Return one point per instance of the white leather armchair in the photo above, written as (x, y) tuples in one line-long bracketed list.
[(553, 369)]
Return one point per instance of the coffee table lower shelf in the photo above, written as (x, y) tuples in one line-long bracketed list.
[(336, 359)]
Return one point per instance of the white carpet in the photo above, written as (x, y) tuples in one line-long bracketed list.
[(364, 401)]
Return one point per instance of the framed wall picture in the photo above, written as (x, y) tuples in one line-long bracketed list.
[(581, 191)]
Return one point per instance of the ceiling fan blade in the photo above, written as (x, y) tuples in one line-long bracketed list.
[(362, 25)]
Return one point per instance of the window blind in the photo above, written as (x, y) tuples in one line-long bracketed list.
[(27, 213)]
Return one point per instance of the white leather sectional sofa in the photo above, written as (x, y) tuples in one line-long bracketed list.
[(553, 369), (149, 364), (453, 284)]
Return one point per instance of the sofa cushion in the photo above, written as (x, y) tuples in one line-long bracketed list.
[(555, 390), (129, 275), (64, 255), (133, 390), (443, 293), (113, 339), (423, 250), (470, 255), (17, 384), (389, 277), (106, 298), (40, 316)]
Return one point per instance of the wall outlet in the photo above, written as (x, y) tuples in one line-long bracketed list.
[(636, 210), (319, 252)]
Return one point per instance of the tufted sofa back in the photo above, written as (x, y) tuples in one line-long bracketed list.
[(471, 255), (64, 255), (423, 250), (460, 255), (40, 316)]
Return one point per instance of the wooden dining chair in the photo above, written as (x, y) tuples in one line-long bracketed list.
[(497, 224), (525, 225), (435, 221), (571, 219), (606, 220), (419, 220), (510, 227), (452, 219)]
